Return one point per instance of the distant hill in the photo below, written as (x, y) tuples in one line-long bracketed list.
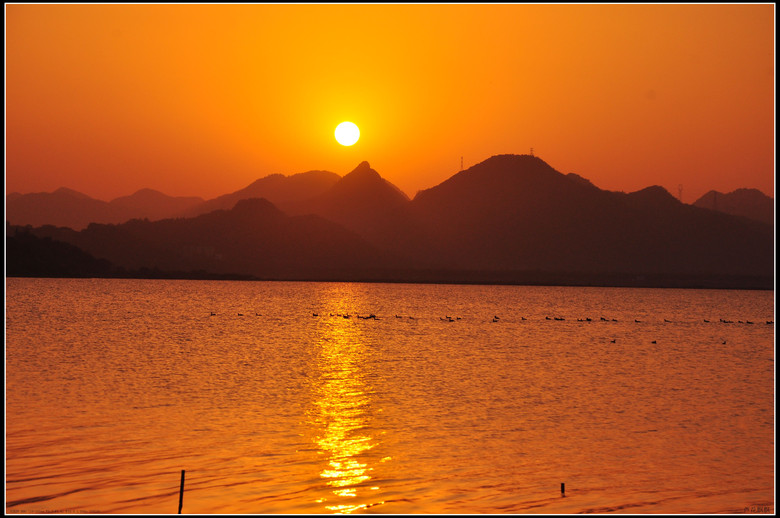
[(72, 209), (253, 238), (30, 256), (365, 203), (63, 207), (748, 203), (154, 205), (515, 212), (68, 208), (276, 188)]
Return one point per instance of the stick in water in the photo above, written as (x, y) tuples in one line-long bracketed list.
[(181, 491)]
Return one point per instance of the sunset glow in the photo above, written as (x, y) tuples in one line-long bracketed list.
[(201, 100)]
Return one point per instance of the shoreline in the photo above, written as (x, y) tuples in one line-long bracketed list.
[(657, 281)]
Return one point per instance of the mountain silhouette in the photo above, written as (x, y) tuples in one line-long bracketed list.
[(365, 203), (748, 203), (510, 212), (253, 238), (276, 188), (30, 256), (510, 218), (63, 207), (154, 205), (515, 212), (68, 208)]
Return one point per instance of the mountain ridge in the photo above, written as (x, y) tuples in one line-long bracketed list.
[(295, 191), (253, 238), (497, 219), (277, 188), (744, 202)]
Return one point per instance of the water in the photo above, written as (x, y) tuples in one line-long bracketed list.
[(114, 386)]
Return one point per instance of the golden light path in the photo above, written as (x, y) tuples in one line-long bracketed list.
[(341, 414)]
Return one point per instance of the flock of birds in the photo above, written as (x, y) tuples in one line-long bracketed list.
[(496, 318)]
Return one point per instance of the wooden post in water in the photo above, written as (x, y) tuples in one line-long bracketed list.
[(563, 489), (181, 491)]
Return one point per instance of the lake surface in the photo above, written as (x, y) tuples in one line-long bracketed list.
[(114, 386)]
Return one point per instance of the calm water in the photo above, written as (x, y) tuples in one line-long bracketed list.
[(114, 386)]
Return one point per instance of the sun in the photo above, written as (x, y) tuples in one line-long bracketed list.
[(347, 133)]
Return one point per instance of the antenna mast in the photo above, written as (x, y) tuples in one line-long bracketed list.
[(461, 163), (679, 192), (532, 151)]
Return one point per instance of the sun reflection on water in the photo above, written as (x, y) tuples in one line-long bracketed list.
[(341, 414)]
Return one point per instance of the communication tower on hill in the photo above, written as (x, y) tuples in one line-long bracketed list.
[(679, 192), (532, 151), (461, 163)]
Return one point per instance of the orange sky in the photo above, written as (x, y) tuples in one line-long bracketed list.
[(204, 99)]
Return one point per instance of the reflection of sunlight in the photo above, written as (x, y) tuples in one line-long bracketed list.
[(345, 473), (345, 509), (341, 413)]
